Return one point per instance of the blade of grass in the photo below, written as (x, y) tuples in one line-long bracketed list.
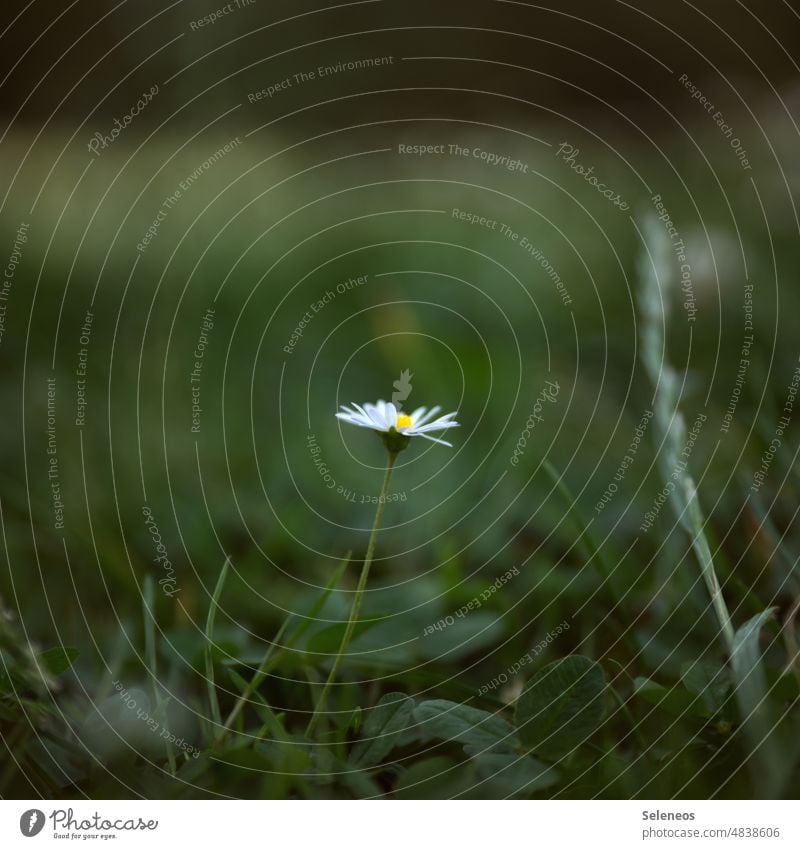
[(585, 538), (790, 640), (591, 551), (766, 763), (636, 731), (148, 604), (655, 270), (276, 649), (213, 701), (270, 719), (777, 541)]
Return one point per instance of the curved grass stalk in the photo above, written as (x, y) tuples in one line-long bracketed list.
[(359, 596)]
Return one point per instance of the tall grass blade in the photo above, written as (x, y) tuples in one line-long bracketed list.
[(213, 701), (656, 271), (273, 654), (742, 645), (151, 658)]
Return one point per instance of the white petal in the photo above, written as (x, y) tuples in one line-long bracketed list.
[(361, 423), (425, 417), (375, 416), (435, 426), (433, 439), (354, 414), (445, 417), (390, 416)]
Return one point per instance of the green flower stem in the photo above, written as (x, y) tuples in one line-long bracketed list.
[(359, 596)]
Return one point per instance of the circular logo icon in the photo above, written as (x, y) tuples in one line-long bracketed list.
[(31, 822)]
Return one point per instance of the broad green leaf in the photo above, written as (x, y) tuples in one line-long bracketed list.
[(385, 722), (58, 660), (465, 637), (562, 706), (511, 774), (710, 681), (433, 778), (125, 719), (361, 784), (475, 729)]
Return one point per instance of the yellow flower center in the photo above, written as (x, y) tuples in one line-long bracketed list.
[(402, 421)]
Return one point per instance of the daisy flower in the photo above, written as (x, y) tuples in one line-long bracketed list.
[(385, 419), (396, 430)]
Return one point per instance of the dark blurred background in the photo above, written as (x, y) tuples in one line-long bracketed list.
[(312, 191), (587, 58)]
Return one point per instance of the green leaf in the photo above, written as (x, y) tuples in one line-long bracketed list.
[(118, 724), (256, 758), (433, 778), (57, 660), (746, 660), (751, 694), (710, 681), (328, 640), (476, 729), (509, 775), (465, 637), (562, 706), (676, 701), (384, 725)]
